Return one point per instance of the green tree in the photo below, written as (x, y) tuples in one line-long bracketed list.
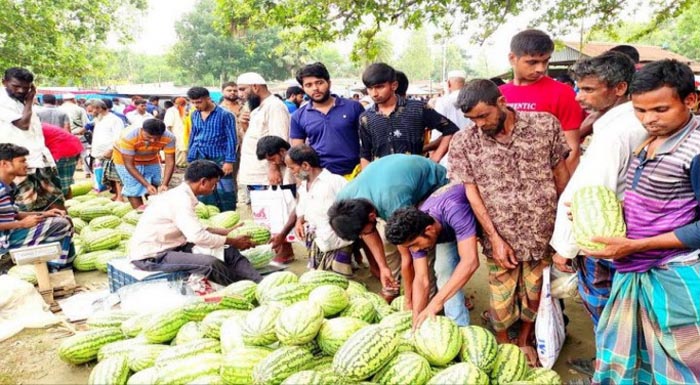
[(58, 39), (416, 60), (453, 58), (124, 67), (338, 65)]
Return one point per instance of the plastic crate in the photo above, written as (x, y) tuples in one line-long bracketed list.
[(120, 273)]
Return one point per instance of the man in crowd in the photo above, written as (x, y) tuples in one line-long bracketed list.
[(532, 90), (107, 129), (512, 165), (604, 91), (293, 98), (364, 205), (213, 137), (110, 106), (328, 123), (78, 126), (153, 107), (164, 236), (23, 228), (175, 122), (445, 105), (649, 332), (132, 105), (232, 103), (51, 114), (40, 188), (137, 160), (117, 106), (65, 149), (443, 229), (395, 125), (139, 114)]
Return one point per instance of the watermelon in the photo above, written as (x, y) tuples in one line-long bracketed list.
[(365, 352), (360, 308), (317, 278), (280, 364), (543, 376), (86, 262), (381, 308), (231, 333), (119, 348), (26, 273), (400, 321), (78, 224), (188, 332), (83, 347), (332, 299), (201, 210), (274, 280), (111, 371), (406, 343), (355, 287), (259, 325), (479, 347), (108, 319), (147, 376), (122, 209), (132, 217), (163, 327), (102, 239), (596, 212), (334, 332), (211, 379), (404, 368), (105, 222), (103, 258), (188, 349), (259, 256), (125, 230), (510, 365), (187, 369), (306, 377), (399, 303), (80, 188), (287, 294), (461, 373), (244, 288), (258, 234), (225, 220), (92, 211), (238, 364), (299, 323), (438, 340), (144, 356), (133, 325), (211, 324)]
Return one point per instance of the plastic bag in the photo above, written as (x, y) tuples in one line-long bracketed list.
[(21, 306), (564, 285), (549, 326), (271, 207)]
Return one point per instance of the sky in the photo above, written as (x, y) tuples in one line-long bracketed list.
[(157, 33)]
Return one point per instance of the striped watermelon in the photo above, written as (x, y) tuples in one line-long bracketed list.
[(274, 280), (132, 217), (238, 364), (510, 365), (211, 324), (479, 347), (317, 278), (231, 333), (331, 298), (147, 376), (201, 211), (334, 332), (225, 220), (259, 256), (438, 340), (404, 368), (163, 327), (306, 377), (596, 212), (280, 364), (212, 210), (105, 222), (102, 239), (380, 306), (461, 373), (26, 273), (188, 349), (122, 209), (399, 303), (142, 357), (258, 234), (299, 323), (259, 326), (543, 376), (184, 370), (355, 287), (245, 288), (78, 224), (125, 230), (92, 211), (133, 326), (86, 262), (287, 294), (211, 379), (103, 258), (360, 308), (365, 352), (119, 348), (400, 321), (190, 331), (80, 188), (406, 342), (83, 347), (111, 371)]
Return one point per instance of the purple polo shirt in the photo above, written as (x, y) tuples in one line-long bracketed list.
[(334, 136), (450, 207)]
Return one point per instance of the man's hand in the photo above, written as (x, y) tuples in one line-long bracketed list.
[(429, 312), (562, 264), (30, 221), (53, 213), (503, 254), (244, 119), (387, 279), (615, 247), (274, 176), (299, 228), (151, 190), (29, 98), (277, 241), (227, 168), (242, 242), (162, 188)]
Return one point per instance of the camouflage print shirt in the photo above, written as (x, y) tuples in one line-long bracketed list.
[(515, 179)]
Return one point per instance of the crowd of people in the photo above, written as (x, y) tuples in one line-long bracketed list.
[(411, 187)]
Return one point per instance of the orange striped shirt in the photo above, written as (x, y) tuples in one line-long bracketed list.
[(132, 142)]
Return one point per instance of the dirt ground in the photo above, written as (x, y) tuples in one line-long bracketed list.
[(30, 356)]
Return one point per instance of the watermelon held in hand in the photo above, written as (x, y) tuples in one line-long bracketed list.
[(596, 212)]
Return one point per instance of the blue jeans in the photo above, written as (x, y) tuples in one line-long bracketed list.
[(446, 260)]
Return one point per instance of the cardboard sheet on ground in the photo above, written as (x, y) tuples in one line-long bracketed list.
[(21, 306)]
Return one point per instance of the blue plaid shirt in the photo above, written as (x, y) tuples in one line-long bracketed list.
[(214, 138)]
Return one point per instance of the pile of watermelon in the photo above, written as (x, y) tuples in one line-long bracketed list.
[(103, 228), (318, 328)]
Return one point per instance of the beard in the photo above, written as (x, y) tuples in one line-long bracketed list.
[(254, 101), (302, 175), (16, 96), (492, 132), (233, 98), (324, 98)]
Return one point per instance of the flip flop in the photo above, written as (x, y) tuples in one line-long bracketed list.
[(582, 365)]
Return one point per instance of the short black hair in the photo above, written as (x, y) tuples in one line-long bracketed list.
[(293, 90), (168, 103), (378, 73), (304, 153), (229, 84), (476, 91), (9, 151), (108, 103), (348, 216), (664, 73), (497, 81), (139, 102), (270, 145), (21, 74), (317, 70), (154, 126), (202, 168), (531, 42), (402, 79), (153, 98), (627, 50), (611, 68), (197, 93), (407, 224), (49, 99)]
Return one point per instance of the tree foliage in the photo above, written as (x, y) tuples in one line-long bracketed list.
[(57, 39)]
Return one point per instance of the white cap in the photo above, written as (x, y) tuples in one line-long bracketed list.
[(250, 78), (457, 74), (68, 96)]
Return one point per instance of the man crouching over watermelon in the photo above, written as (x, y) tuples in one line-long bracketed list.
[(169, 229), (442, 229)]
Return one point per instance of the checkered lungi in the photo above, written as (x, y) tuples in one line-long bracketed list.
[(39, 190), (66, 169), (110, 172), (52, 229)]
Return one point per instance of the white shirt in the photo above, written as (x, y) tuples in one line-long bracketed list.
[(161, 228), (270, 118), (137, 119), (174, 123), (78, 116), (616, 135), (106, 132), (314, 204), (445, 106), (32, 139)]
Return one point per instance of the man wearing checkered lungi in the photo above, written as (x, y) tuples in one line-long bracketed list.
[(65, 148)]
